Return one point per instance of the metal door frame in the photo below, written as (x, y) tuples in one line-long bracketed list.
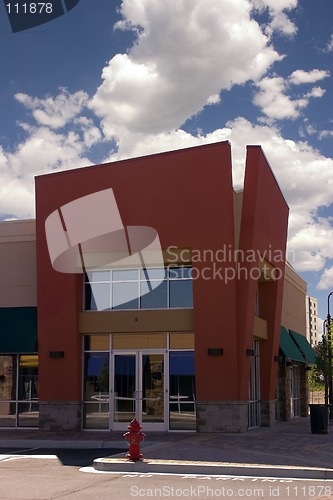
[(138, 354)]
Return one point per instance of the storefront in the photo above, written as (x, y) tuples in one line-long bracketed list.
[(154, 302), (147, 376)]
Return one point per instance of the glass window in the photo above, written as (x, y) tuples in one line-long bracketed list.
[(182, 375), (154, 299), (96, 377), (152, 274), (181, 293), (97, 276), (96, 391), (19, 391), (177, 273), (182, 390), (125, 295), (152, 288), (96, 415), (97, 296), (125, 275)]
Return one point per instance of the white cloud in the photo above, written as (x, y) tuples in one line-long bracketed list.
[(329, 47), (54, 112), (273, 101), (184, 55), (42, 152), (315, 92), (272, 96), (325, 133), (304, 175), (280, 22), (91, 134), (326, 280), (300, 76)]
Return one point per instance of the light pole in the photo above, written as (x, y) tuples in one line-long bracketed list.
[(325, 361), (329, 355)]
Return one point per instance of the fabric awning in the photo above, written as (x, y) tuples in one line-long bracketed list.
[(18, 330), (288, 346), (304, 346)]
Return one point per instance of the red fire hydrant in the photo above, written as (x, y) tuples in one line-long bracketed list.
[(134, 436)]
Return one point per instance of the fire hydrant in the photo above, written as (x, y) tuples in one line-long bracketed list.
[(134, 436)]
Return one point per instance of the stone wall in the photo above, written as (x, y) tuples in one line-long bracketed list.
[(60, 415), (222, 416), (267, 413)]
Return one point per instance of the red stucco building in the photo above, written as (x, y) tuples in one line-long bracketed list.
[(185, 356)]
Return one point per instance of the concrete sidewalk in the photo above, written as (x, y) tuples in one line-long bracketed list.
[(288, 449)]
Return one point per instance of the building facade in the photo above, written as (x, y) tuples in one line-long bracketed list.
[(160, 295), (311, 308)]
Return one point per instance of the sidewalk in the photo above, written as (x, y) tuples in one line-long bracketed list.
[(287, 446)]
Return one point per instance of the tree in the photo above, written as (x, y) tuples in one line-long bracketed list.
[(324, 357)]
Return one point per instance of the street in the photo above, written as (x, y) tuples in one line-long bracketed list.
[(39, 474)]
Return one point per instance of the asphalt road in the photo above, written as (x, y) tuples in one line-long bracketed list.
[(66, 474), (67, 457)]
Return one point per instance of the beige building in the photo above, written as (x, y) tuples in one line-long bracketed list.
[(292, 389), (311, 308), (18, 325)]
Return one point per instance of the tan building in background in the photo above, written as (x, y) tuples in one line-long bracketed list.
[(18, 325), (311, 308), (292, 388)]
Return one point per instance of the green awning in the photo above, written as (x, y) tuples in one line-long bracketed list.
[(288, 346), (304, 346), (18, 330)]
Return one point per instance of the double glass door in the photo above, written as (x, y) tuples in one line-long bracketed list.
[(138, 389)]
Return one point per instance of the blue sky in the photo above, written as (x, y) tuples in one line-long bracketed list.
[(118, 79)]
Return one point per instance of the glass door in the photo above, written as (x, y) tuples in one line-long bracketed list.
[(138, 389), (124, 393)]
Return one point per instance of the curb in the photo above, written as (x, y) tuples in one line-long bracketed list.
[(146, 466), (60, 443)]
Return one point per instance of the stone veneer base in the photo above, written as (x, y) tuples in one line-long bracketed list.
[(60, 415), (267, 411), (222, 416)]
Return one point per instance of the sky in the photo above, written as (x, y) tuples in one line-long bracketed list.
[(114, 79)]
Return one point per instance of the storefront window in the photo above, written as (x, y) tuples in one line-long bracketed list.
[(150, 288), (96, 390), (19, 391), (182, 390)]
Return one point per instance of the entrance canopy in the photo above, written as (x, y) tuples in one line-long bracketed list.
[(304, 347), (289, 347)]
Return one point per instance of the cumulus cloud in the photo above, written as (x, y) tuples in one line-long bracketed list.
[(54, 112), (274, 101), (175, 67), (304, 175), (279, 20), (300, 76), (182, 58), (42, 152), (326, 280)]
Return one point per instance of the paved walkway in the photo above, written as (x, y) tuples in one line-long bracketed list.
[(287, 444)]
